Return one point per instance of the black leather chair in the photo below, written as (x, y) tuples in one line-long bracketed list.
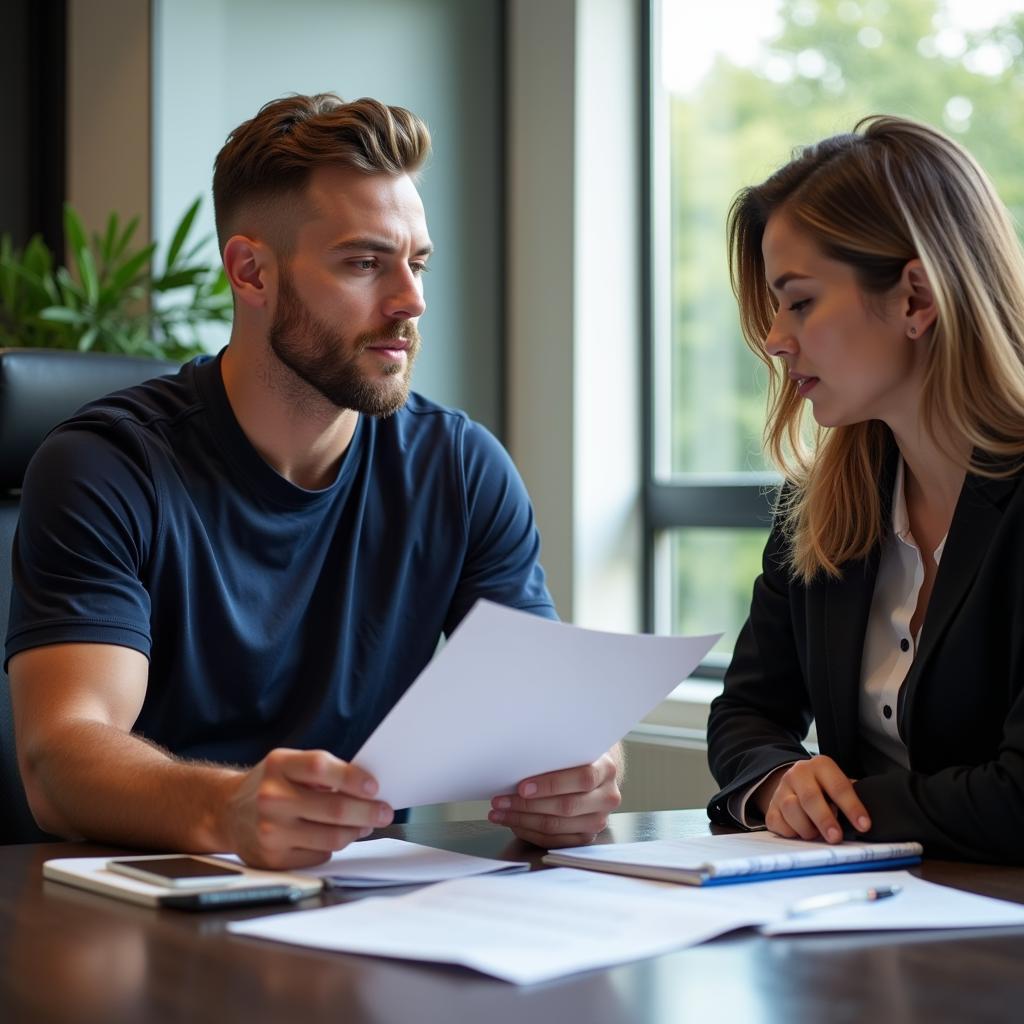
[(38, 389)]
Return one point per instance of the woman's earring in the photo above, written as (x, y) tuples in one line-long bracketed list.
[(912, 331)]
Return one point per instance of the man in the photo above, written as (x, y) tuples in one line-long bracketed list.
[(247, 564)]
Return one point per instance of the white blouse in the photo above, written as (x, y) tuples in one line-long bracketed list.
[(889, 645)]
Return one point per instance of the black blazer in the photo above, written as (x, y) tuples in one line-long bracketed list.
[(961, 707)]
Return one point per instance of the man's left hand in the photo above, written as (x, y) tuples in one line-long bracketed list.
[(564, 808)]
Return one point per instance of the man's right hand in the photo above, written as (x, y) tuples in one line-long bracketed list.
[(88, 776), (296, 807)]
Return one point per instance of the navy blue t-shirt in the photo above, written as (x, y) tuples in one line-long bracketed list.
[(271, 615)]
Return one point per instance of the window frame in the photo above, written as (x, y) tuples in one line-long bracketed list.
[(671, 502)]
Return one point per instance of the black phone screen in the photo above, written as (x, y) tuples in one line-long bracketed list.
[(179, 867)]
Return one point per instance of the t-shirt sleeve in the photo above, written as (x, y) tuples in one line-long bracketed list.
[(502, 562), (85, 527)]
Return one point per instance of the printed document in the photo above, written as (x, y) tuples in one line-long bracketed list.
[(545, 924), (521, 928), (512, 695)]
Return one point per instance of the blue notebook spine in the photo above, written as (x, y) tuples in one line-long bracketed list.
[(828, 869)]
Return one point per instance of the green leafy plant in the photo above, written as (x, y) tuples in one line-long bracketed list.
[(113, 298)]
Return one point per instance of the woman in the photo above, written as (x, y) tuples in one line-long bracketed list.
[(880, 278)]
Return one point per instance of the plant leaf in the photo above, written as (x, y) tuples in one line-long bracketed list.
[(37, 258), (73, 230), (68, 288), (51, 289), (90, 280), (197, 248), (87, 340), (181, 233), (180, 279), (131, 268), (107, 248), (220, 284), (122, 243), (63, 315)]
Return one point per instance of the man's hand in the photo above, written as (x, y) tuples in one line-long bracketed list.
[(563, 808), (296, 807), (803, 800)]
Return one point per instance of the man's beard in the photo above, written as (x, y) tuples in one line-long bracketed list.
[(328, 361)]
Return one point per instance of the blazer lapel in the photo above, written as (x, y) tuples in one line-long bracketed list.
[(847, 604), (975, 520)]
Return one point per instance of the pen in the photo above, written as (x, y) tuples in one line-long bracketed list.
[(827, 900), (215, 899)]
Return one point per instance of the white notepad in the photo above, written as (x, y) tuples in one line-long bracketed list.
[(743, 857)]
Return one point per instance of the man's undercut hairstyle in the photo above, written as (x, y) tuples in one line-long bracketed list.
[(271, 156)]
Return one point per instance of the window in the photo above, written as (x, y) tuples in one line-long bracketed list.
[(732, 92)]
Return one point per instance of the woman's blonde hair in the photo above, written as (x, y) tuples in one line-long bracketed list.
[(890, 191)]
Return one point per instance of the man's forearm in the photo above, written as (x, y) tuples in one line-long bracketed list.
[(92, 780)]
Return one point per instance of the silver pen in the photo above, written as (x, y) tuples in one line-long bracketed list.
[(827, 900)]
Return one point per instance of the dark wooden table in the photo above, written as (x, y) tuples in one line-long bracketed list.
[(69, 955)]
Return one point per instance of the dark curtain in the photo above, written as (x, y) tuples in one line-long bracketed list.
[(33, 60)]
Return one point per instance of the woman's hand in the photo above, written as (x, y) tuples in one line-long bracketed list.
[(802, 801)]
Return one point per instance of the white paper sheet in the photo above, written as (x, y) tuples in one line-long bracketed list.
[(524, 928), (380, 862), (512, 695), (918, 905)]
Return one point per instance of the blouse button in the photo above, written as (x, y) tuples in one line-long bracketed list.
[(904, 644), (887, 711)]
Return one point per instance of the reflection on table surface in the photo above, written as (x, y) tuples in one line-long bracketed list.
[(70, 955)]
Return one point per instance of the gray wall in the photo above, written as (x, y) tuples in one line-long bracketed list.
[(217, 61), (108, 103)]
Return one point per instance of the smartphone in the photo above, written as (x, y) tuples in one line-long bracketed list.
[(183, 872)]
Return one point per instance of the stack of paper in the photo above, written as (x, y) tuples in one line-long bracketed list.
[(383, 862)]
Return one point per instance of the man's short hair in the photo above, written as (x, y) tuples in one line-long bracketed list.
[(271, 156)]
